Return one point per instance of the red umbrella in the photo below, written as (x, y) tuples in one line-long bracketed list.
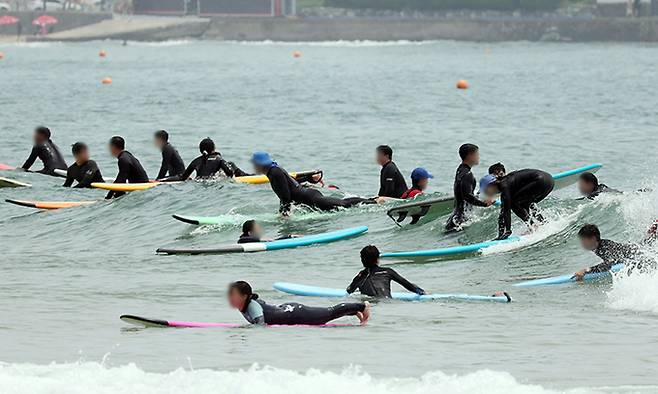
[(44, 20), (8, 20)]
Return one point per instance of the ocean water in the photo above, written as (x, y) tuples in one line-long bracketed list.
[(66, 276)]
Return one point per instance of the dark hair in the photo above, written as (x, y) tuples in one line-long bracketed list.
[(206, 146), (496, 168), (466, 150), (590, 178), (386, 151), (118, 142), (243, 288), (43, 131), (78, 147), (162, 135), (589, 231), (369, 256), (248, 226)]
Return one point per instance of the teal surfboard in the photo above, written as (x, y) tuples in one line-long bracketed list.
[(314, 291), (568, 278), (449, 251)]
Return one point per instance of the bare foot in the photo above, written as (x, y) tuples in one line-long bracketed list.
[(365, 315)]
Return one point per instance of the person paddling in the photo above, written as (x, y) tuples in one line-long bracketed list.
[(130, 169), (45, 150), (84, 170), (419, 180), (257, 311), (208, 165), (589, 186), (253, 232)]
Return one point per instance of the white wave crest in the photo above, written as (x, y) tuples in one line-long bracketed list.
[(635, 291)]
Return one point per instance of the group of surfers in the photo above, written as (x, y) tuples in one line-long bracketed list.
[(519, 192)]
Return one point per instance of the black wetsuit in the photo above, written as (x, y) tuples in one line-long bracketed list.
[(602, 188), (50, 155), (130, 171), (172, 164), (85, 174), (290, 191), (463, 189), (519, 190), (208, 166), (612, 253), (376, 282), (391, 181), (292, 313)]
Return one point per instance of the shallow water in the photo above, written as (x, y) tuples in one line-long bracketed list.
[(66, 276)]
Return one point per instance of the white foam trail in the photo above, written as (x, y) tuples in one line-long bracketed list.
[(634, 292), (88, 377)]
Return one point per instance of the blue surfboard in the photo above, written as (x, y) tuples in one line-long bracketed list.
[(568, 278), (314, 291), (288, 243), (449, 251)]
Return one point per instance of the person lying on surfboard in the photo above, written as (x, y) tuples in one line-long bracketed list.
[(464, 187), (519, 191), (589, 186), (130, 169), (497, 170), (420, 178), (253, 232), (208, 165), (172, 164), (45, 150), (256, 311), (84, 171), (610, 252), (291, 192), (391, 181), (375, 281)]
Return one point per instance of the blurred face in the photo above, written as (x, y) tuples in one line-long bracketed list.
[(589, 243), (114, 151), (491, 190), (381, 158), (158, 143), (257, 231), (260, 169), (38, 138), (474, 158), (422, 184), (235, 299), (82, 157), (585, 187)]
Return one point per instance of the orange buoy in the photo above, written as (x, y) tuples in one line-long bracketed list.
[(2, 55), (106, 81), (462, 84), (296, 54), (102, 53)]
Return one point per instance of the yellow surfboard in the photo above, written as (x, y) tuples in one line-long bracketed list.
[(125, 187), (49, 204), (260, 179)]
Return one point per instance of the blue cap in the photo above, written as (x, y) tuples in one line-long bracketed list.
[(420, 173), (262, 159), (486, 181)]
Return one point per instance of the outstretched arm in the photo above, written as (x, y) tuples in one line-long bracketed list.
[(405, 283), (31, 159)]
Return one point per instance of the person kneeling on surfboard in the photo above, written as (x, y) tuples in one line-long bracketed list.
[(519, 191), (253, 232), (420, 178), (172, 164), (589, 186), (84, 171), (130, 169), (610, 252), (464, 188), (45, 150), (375, 281), (256, 311), (290, 191), (209, 164)]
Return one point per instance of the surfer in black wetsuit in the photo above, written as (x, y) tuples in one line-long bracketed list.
[(610, 252), (290, 191), (375, 281), (520, 191), (589, 186), (172, 164), (253, 232), (84, 171), (45, 150), (464, 187), (209, 164), (256, 311), (391, 181), (130, 169), (497, 170)]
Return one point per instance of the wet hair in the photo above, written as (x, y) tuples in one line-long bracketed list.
[(78, 147), (589, 231), (369, 256), (386, 151), (43, 131), (162, 135), (467, 149), (590, 178), (496, 168), (248, 226), (206, 146), (243, 288), (118, 142)]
